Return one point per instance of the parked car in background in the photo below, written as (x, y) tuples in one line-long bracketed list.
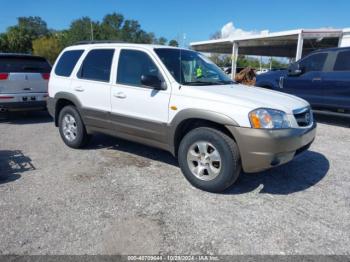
[(322, 78), (177, 100), (262, 71), (23, 82)]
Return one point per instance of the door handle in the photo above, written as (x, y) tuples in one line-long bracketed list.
[(79, 89), (316, 79), (120, 95)]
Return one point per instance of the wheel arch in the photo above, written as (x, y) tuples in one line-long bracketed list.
[(63, 99), (189, 119)]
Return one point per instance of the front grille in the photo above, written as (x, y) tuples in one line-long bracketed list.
[(303, 116)]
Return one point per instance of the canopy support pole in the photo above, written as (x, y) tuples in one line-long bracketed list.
[(299, 47), (234, 60)]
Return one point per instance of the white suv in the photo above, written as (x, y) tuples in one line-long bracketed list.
[(177, 100)]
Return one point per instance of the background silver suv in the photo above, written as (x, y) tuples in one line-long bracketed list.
[(23, 82)]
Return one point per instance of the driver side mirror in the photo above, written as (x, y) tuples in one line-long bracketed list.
[(153, 81), (295, 70)]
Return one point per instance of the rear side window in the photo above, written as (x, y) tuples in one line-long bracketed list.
[(67, 62), (313, 62), (132, 65), (343, 61), (97, 65), (23, 64)]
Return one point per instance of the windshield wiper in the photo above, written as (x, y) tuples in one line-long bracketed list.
[(200, 83), (225, 82)]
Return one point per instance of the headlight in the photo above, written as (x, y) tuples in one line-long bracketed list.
[(268, 118)]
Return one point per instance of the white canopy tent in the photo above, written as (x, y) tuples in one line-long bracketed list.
[(291, 44)]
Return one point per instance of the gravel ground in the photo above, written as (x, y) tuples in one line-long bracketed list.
[(117, 197)]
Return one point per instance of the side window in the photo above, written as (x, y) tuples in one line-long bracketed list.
[(313, 63), (97, 65), (342, 63), (132, 65), (67, 62)]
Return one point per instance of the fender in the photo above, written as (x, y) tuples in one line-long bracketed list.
[(69, 96), (52, 103), (190, 113)]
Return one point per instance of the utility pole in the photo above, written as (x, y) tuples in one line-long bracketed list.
[(92, 31)]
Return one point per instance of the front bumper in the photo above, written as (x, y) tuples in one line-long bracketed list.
[(262, 149)]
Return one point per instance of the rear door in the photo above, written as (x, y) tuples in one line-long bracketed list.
[(308, 85), (336, 82), (91, 86), (23, 74)]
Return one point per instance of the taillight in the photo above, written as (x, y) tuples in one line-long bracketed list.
[(6, 97), (46, 76), (4, 76)]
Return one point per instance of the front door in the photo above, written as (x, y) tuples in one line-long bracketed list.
[(139, 111), (308, 85)]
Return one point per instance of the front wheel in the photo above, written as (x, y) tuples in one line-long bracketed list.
[(209, 159)]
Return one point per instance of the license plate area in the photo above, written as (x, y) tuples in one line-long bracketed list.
[(28, 98)]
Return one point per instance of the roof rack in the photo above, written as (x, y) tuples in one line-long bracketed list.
[(98, 42)]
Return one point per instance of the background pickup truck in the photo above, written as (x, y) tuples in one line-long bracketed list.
[(322, 78)]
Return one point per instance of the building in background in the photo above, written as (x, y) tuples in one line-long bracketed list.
[(293, 44)]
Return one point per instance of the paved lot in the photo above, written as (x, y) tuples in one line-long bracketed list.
[(117, 197)]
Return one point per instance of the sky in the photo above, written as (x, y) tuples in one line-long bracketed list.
[(196, 19)]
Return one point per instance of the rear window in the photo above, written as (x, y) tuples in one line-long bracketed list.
[(19, 64), (343, 61), (97, 65), (67, 62)]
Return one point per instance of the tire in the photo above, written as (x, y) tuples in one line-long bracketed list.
[(76, 127), (209, 174)]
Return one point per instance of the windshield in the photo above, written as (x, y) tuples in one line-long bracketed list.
[(192, 68)]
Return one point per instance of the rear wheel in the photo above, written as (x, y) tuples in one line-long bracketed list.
[(72, 128), (209, 159)]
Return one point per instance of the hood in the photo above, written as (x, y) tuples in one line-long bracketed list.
[(249, 97), (271, 75)]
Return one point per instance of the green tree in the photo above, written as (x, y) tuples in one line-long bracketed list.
[(34, 25), (110, 27), (20, 36), (162, 41), (173, 43), (129, 31), (82, 29), (48, 47), (3, 43), (18, 40)]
